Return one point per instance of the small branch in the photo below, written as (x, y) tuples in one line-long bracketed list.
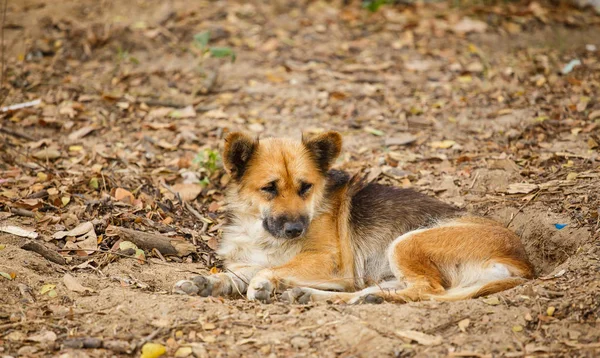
[(47, 253), (149, 241), (14, 133)]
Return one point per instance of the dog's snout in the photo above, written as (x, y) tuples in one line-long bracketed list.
[(293, 229)]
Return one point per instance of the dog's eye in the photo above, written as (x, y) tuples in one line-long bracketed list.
[(304, 188), (271, 188)]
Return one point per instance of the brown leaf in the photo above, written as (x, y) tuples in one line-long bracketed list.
[(420, 337), (73, 285), (124, 195), (521, 188), (188, 192)]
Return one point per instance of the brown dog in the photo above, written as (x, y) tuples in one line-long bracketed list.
[(295, 224)]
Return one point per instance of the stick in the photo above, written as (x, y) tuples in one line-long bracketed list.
[(149, 241), (17, 106), (47, 253), (17, 134)]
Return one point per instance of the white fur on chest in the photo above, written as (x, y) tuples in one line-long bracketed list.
[(246, 241)]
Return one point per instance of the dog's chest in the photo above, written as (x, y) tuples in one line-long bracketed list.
[(246, 241)]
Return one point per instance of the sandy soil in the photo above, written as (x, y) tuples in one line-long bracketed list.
[(460, 103)]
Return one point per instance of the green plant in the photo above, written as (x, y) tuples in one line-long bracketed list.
[(374, 5), (201, 40), (208, 159)]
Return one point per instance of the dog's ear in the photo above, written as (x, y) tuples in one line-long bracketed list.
[(237, 153), (324, 148)]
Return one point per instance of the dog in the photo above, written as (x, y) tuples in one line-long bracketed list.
[(297, 227)]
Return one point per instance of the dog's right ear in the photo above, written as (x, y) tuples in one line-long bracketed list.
[(237, 153)]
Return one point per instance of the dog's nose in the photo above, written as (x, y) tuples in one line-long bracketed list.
[(293, 229)]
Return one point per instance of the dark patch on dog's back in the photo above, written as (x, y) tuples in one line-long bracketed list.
[(381, 212)]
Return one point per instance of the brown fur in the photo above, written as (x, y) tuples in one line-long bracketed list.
[(294, 223)]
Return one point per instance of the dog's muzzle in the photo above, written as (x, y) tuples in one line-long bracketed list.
[(285, 227)]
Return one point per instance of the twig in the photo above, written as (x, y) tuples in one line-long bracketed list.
[(22, 212), (17, 106), (149, 241), (132, 258), (474, 181), (443, 326), (47, 253), (521, 208), (17, 134)]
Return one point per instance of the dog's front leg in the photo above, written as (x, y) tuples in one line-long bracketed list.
[(233, 282), (307, 270)]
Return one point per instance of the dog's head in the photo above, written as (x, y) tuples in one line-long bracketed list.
[(280, 180)]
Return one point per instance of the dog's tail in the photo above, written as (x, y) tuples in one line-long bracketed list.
[(478, 290)]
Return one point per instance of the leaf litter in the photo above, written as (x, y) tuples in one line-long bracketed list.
[(473, 104)]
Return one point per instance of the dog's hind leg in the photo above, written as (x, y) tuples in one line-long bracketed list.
[(457, 260)]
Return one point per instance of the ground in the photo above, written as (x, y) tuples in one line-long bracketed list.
[(480, 106)]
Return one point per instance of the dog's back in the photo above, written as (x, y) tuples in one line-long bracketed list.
[(378, 215)]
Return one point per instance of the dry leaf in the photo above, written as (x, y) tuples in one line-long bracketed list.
[(521, 188), (445, 144), (47, 154), (73, 285), (492, 301), (419, 337), (124, 196), (43, 337), (188, 192), (19, 231), (153, 350), (463, 324), (80, 133)]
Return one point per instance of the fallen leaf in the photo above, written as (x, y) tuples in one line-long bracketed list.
[(419, 337), (79, 230), (467, 25), (80, 133), (400, 139), (153, 350), (188, 192), (374, 131), (187, 112), (445, 144), (521, 188), (19, 231), (6, 275), (73, 285), (43, 337), (47, 288), (126, 245), (183, 352), (492, 301), (30, 204), (124, 196), (463, 324), (47, 154)]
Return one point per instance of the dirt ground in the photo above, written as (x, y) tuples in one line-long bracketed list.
[(473, 104)]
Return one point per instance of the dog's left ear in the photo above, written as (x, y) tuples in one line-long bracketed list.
[(324, 148), (238, 150)]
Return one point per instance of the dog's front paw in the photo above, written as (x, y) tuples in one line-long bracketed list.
[(297, 295), (186, 287), (204, 286), (261, 289)]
